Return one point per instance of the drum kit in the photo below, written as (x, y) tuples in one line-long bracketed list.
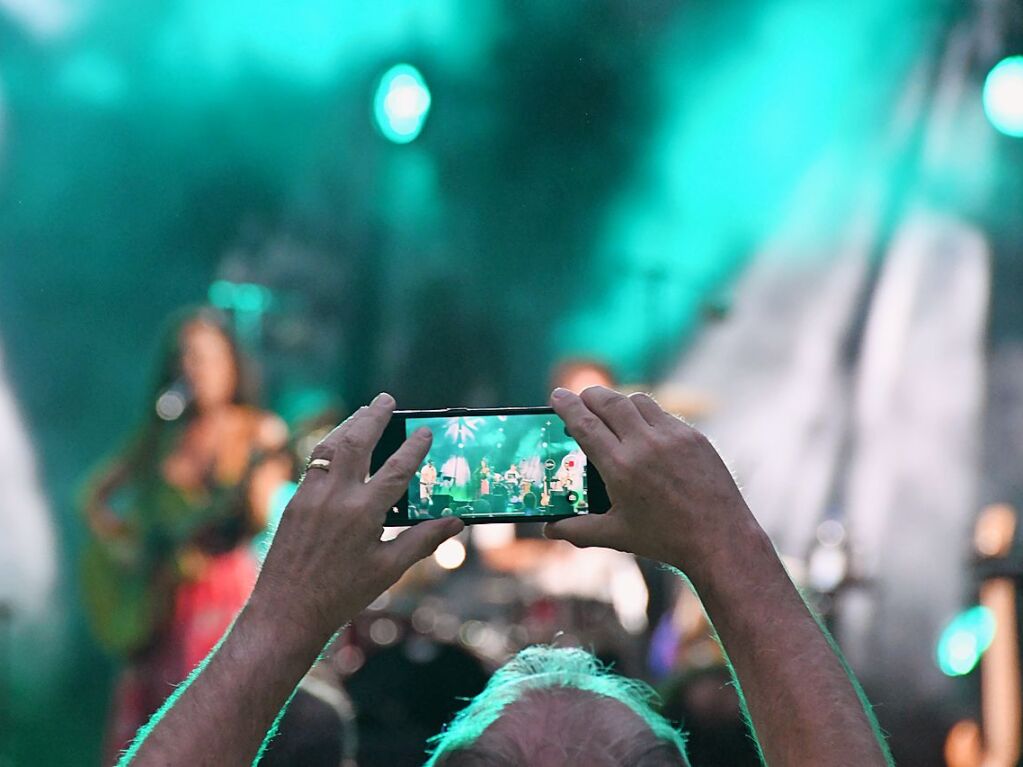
[(512, 484), (515, 486)]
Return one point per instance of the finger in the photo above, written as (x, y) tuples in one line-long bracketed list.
[(587, 530), (614, 409), (647, 406), (592, 434), (420, 541), (325, 449), (392, 479), (353, 441)]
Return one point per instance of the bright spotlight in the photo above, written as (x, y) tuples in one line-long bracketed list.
[(401, 104), (1003, 96)]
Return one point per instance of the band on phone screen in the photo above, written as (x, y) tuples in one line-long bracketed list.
[(494, 465)]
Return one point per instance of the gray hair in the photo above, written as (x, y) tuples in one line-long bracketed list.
[(549, 671)]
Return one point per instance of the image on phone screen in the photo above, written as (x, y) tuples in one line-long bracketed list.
[(491, 465)]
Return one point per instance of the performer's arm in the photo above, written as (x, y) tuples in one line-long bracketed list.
[(101, 519), (325, 565), (675, 501)]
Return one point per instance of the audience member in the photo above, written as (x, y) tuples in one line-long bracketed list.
[(673, 500)]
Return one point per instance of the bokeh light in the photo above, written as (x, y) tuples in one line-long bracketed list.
[(1003, 96), (451, 554), (402, 103), (964, 640)]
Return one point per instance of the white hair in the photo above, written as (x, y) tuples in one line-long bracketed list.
[(545, 668)]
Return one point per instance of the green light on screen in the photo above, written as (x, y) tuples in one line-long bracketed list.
[(1003, 96), (401, 104), (964, 641)]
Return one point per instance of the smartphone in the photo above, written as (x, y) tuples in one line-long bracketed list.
[(493, 465)]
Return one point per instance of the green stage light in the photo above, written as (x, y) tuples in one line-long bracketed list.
[(401, 104), (221, 294), (240, 296), (1003, 96), (964, 640)]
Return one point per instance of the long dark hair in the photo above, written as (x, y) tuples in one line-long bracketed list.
[(142, 451)]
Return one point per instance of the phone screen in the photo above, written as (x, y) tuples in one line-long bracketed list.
[(518, 465)]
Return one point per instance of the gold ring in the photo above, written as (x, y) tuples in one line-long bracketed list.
[(319, 463)]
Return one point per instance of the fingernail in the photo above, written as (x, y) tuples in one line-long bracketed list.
[(422, 433), (559, 393), (383, 398)]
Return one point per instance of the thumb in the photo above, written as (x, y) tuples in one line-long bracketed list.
[(585, 531), (422, 540)]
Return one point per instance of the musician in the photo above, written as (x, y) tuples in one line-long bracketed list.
[(560, 572), (571, 471), (172, 517), (427, 479), (579, 373), (484, 475), (512, 476)]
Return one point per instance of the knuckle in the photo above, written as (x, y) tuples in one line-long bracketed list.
[(663, 439), (588, 423), (348, 441), (695, 437), (397, 469), (647, 450), (618, 464), (323, 449), (616, 400)]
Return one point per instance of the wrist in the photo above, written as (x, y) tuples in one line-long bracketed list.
[(729, 564), (292, 632)]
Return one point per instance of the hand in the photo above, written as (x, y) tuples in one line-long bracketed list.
[(106, 525), (672, 497), (327, 562)]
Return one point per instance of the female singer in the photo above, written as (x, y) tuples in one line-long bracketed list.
[(172, 517), (484, 478)]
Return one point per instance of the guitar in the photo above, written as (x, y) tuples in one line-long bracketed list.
[(129, 580)]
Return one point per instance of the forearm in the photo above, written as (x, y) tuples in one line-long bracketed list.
[(801, 701), (326, 563), (221, 715)]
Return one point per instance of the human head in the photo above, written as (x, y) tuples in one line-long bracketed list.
[(559, 706), (199, 350), (578, 373)]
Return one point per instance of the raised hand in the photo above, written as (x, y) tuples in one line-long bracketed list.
[(673, 499), (327, 561)]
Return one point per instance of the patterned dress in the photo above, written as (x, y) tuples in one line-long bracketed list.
[(207, 570)]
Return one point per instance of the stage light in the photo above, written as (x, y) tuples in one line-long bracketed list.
[(240, 296), (1003, 96), (221, 294), (964, 640), (401, 104)]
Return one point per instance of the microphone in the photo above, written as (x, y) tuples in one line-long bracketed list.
[(173, 400)]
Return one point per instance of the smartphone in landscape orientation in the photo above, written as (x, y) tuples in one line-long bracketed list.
[(493, 465)]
